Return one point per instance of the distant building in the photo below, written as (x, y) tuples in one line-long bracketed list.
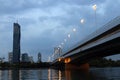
[(10, 57), (31, 59), (57, 52), (2, 59), (25, 57), (60, 50), (39, 57), (16, 43)]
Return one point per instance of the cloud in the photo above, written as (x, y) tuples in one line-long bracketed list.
[(46, 23)]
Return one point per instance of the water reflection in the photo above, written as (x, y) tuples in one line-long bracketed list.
[(2, 75), (105, 73), (76, 75), (49, 74), (55, 74), (13, 75), (52, 74), (40, 74), (25, 74), (59, 75)]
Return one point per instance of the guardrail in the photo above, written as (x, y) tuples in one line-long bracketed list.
[(106, 27)]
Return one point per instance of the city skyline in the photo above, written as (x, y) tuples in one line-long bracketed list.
[(45, 25)]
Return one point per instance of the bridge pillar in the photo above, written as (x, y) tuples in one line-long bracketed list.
[(84, 66)]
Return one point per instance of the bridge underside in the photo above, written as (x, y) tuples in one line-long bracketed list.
[(104, 42), (109, 48)]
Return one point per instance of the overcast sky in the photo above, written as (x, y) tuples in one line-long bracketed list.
[(46, 23)]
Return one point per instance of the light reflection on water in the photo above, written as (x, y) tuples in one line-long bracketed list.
[(106, 73), (51, 74)]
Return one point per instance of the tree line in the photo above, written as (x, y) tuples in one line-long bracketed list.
[(104, 62)]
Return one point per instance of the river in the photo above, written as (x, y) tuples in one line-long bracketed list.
[(52, 74)]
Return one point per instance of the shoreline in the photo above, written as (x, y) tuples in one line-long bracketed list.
[(13, 68)]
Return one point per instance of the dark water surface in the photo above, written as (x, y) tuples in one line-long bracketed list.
[(51, 74)]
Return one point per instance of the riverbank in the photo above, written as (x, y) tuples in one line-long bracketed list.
[(103, 62), (24, 65), (96, 63)]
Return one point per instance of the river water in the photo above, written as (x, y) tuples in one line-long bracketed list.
[(52, 74)]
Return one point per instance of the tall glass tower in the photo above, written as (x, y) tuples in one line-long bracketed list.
[(39, 57), (16, 43)]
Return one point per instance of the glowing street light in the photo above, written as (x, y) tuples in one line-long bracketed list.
[(82, 21), (68, 35), (74, 30), (94, 8)]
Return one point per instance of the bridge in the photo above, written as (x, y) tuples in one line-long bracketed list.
[(103, 42)]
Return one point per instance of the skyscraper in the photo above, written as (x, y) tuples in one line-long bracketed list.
[(16, 43), (10, 57), (57, 52), (25, 57), (39, 57), (31, 59)]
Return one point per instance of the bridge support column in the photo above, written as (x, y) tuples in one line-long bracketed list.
[(69, 66)]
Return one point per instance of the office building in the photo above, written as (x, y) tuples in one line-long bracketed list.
[(10, 57), (16, 43), (57, 52), (39, 57), (31, 59), (25, 57)]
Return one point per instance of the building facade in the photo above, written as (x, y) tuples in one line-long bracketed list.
[(10, 57), (25, 57), (16, 43), (31, 59), (39, 57), (57, 52)]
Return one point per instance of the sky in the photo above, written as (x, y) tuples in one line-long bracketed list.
[(46, 23)]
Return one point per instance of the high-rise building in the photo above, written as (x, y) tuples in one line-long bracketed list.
[(16, 43), (39, 57), (10, 57), (31, 59), (57, 52), (25, 57)]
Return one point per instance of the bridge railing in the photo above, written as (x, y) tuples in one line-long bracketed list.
[(98, 32)]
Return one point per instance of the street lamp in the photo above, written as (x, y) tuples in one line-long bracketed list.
[(68, 35), (74, 30), (82, 21), (94, 8)]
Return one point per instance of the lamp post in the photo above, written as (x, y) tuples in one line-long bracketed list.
[(82, 21), (94, 8), (74, 30), (68, 35)]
